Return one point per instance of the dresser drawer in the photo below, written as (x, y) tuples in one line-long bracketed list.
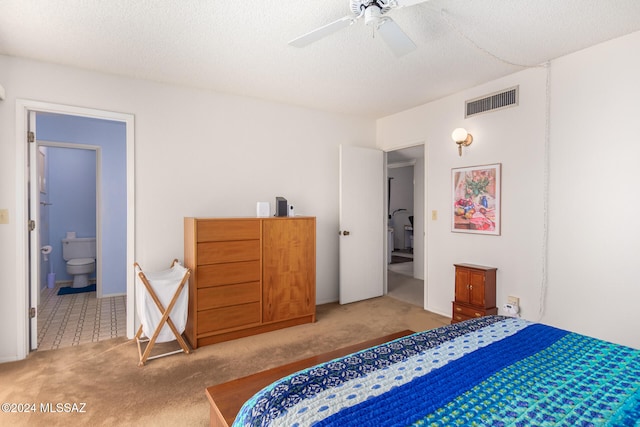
[(220, 252), (228, 273), (457, 317), (471, 312), (228, 229), (228, 295), (217, 319)]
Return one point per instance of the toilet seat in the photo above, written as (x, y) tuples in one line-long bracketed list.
[(80, 261)]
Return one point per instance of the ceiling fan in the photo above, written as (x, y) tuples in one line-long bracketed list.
[(373, 12)]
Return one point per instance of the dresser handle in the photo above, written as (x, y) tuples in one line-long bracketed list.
[(478, 314), (458, 309)]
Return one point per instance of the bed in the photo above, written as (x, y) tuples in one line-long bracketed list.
[(491, 371)]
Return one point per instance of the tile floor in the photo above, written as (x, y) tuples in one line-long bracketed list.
[(67, 320)]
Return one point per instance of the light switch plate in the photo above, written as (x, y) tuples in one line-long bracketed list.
[(4, 216)]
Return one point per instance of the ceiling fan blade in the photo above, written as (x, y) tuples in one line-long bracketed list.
[(393, 35), (323, 31)]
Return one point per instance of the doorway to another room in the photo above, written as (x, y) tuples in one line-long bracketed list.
[(81, 174), (87, 316), (405, 227), (69, 177)]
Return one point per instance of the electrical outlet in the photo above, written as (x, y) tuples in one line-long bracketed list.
[(513, 300), (4, 216), (434, 215)]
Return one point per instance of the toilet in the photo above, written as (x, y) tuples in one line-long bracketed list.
[(80, 254)]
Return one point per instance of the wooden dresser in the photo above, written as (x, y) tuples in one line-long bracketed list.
[(249, 275), (475, 293)]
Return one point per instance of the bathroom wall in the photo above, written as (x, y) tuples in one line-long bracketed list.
[(72, 194), (110, 137)]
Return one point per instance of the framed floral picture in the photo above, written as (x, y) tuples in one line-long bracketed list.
[(476, 199)]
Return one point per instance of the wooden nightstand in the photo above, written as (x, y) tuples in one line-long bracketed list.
[(475, 293)]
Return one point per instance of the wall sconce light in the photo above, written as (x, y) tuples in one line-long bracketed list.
[(461, 137)]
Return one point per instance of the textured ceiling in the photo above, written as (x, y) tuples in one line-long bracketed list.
[(240, 47)]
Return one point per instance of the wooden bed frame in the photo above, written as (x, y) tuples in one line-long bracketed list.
[(227, 398)]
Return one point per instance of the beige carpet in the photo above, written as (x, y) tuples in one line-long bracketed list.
[(171, 391)]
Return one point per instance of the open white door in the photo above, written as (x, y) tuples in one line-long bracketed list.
[(34, 232), (361, 223)]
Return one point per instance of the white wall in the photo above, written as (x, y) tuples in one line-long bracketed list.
[(494, 142), (593, 150), (594, 201), (197, 153)]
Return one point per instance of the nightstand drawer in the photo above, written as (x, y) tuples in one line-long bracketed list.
[(471, 312), (467, 311), (459, 318)]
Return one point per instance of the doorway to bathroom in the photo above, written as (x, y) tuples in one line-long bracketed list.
[(68, 192), (56, 126), (70, 202), (405, 226), (71, 167)]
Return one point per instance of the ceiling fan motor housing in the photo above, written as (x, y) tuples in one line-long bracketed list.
[(357, 6)]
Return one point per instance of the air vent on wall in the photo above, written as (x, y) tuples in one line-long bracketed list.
[(498, 100)]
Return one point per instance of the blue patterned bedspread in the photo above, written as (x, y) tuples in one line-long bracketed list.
[(492, 371)]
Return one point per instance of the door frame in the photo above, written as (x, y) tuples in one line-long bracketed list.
[(23, 108)]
